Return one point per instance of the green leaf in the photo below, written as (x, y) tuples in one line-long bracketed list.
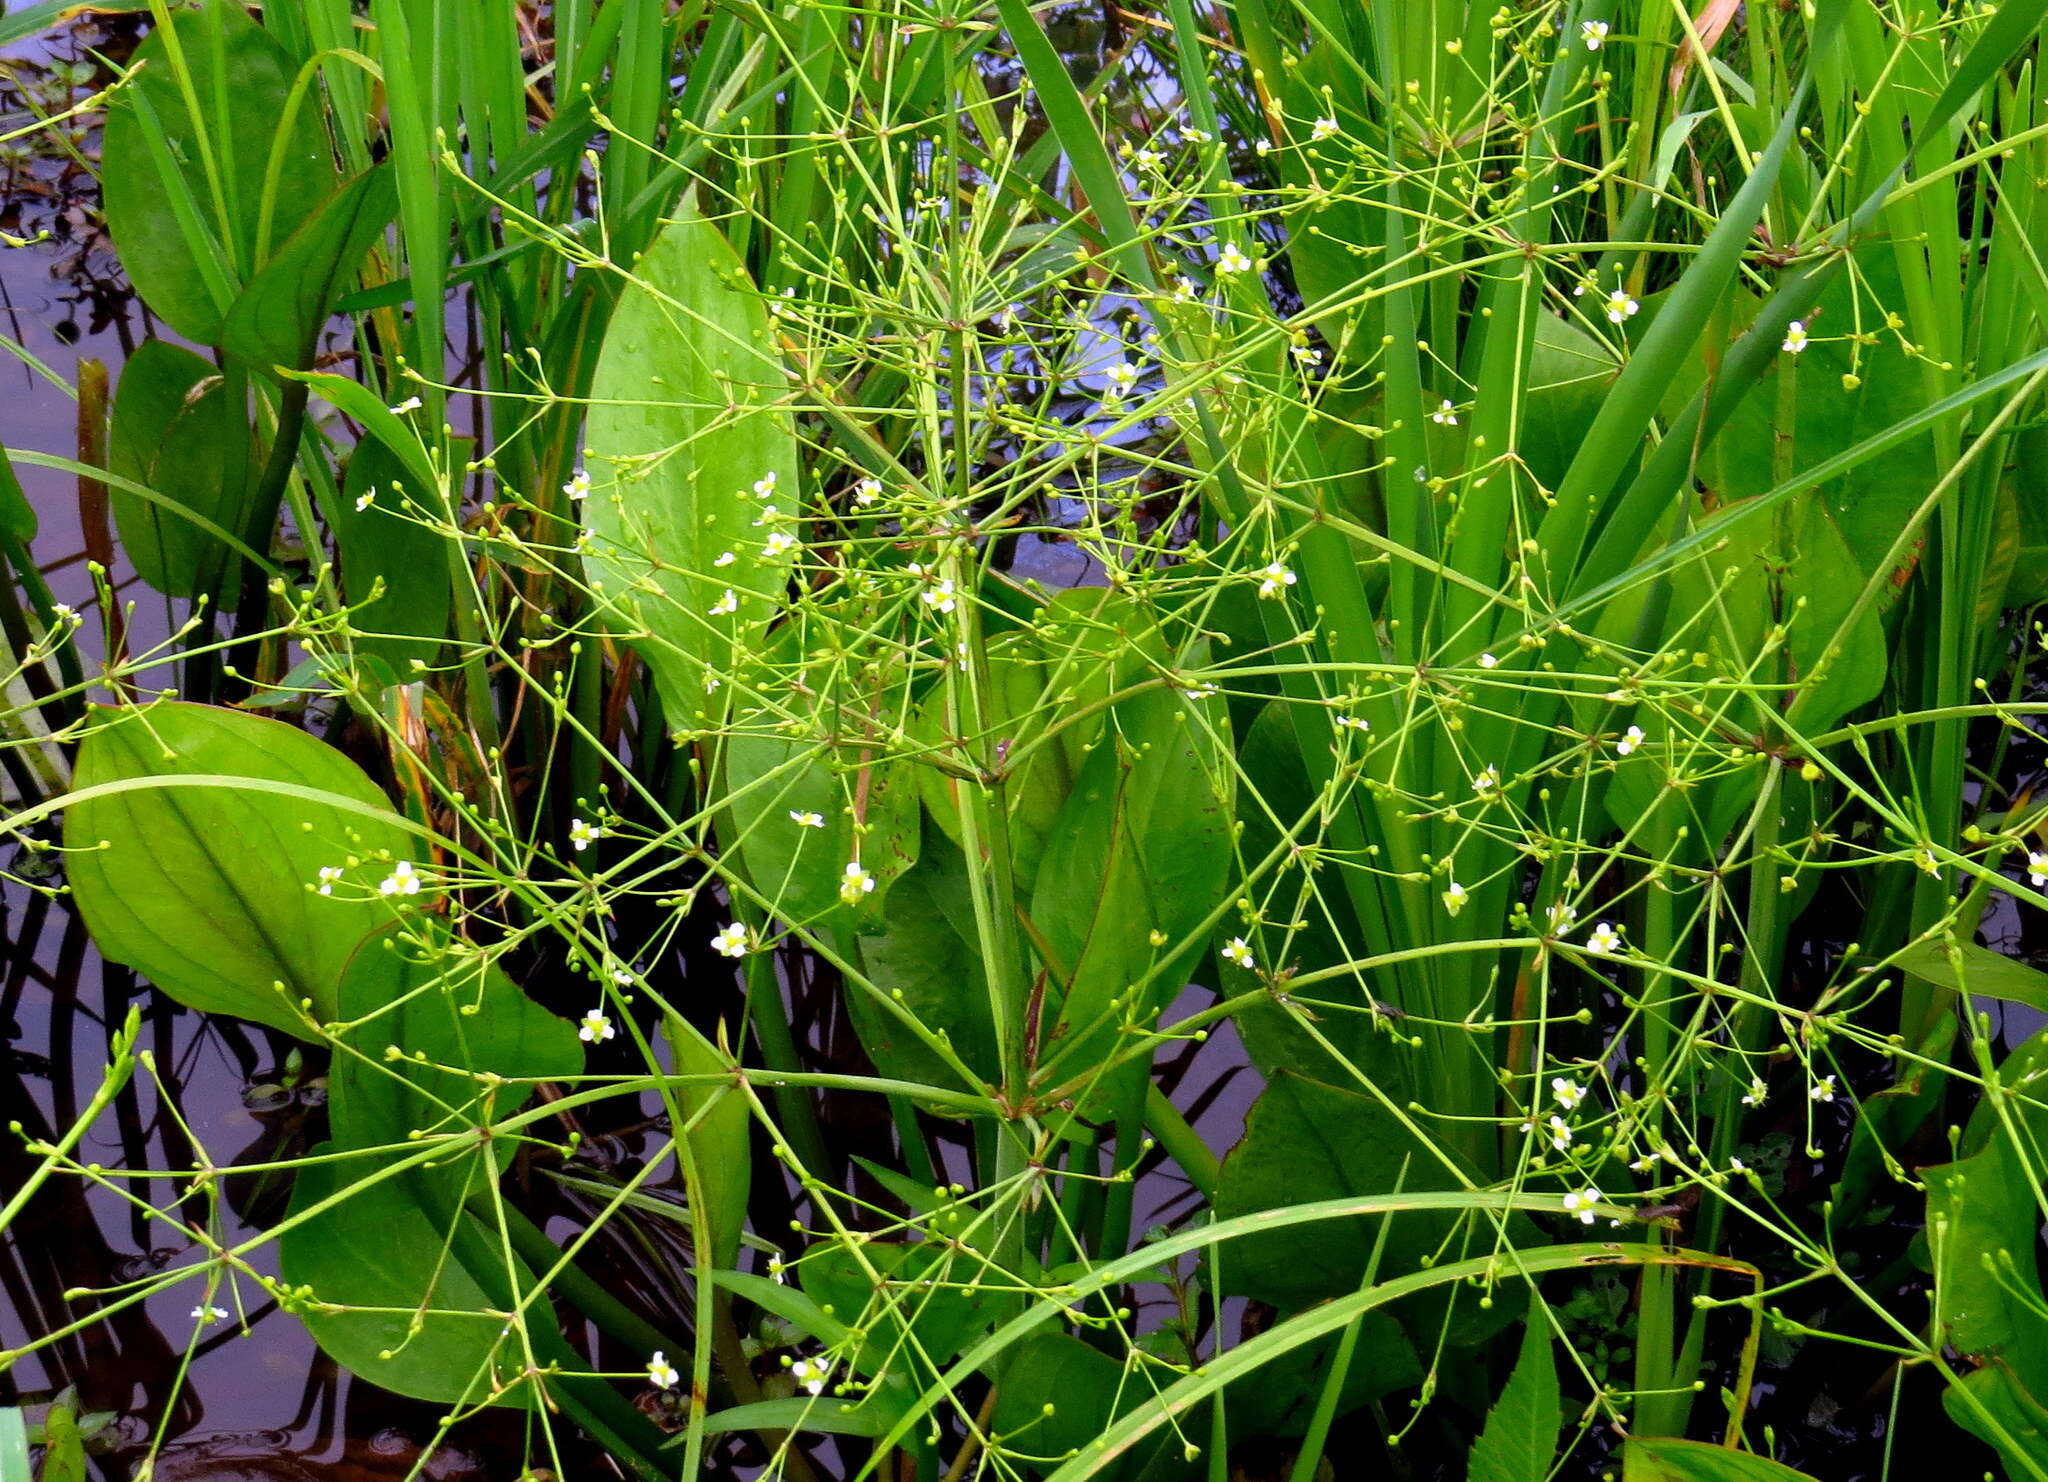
[(829, 1417), (865, 803), (1058, 1394), (207, 889), (157, 382), (1048, 685), (1306, 1141), (686, 418), (472, 1043), (437, 1043), (1520, 1439), (387, 1301), (1983, 1220), (1569, 372), (14, 1465), (1866, 504), (276, 320), (920, 959), (17, 515), (1663, 1460), (395, 539), (1142, 845), (912, 1302), (176, 431), (398, 436), (2027, 480), (187, 237), (63, 1442), (720, 1143), (789, 1303), (1036, 789), (1282, 1396), (1976, 970)]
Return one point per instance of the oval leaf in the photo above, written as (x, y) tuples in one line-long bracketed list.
[(685, 421), (187, 236), (206, 889)]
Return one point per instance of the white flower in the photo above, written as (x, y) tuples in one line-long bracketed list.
[(364, 500), (724, 558), (1593, 33), (1122, 377), (661, 1373), (596, 1028), (1275, 579), (867, 491), (1924, 857), (765, 485), (1487, 780), (1194, 135), (64, 612), (1147, 158), (1795, 338), (855, 883), (1562, 917), (811, 1373), (582, 835), (939, 591), (775, 1270), (731, 942), (1630, 740), (623, 976), (1605, 939), (1581, 1204), (1568, 1093), (1620, 306), (1736, 1165), (778, 544), (1202, 692), (401, 881), (578, 486), (1645, 1163), (729, 603), (1184, 289), (1823, 1089), (328, 875), (1353, 723), (1232, 260), (2037, 868), (1307, 355), (586, 539), (1488, 661), (1757, 1091), (1322, 129), (209, 1314), (806, 820), (410, 404), (1455, 896), (1560, 1132), (1445, 415), (1240, 954)]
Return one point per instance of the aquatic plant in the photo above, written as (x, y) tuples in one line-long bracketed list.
[(1548, 498)]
